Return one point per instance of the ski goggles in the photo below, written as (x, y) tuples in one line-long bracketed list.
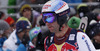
[(49, 17)]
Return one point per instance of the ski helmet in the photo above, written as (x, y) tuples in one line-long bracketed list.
[(22, 24), (74, 22), (94, 29), (55, 10), (3, 26), (34, 32), (82, 10)]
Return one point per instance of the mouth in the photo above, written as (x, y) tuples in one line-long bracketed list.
[(50, 27)]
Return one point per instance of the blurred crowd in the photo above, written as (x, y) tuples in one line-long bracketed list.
[(29, 29)]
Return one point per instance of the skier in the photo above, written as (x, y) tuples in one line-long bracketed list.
[(18, 40), (63, 38)]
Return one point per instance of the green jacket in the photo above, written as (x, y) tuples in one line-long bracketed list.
[(11, 3)]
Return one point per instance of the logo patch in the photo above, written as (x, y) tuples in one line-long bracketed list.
[(72, 37), (83, 37)]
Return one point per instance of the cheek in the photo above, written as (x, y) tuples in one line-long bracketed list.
[(34, 40), (24, 13), (28, 32), (97, 37), (7, 31), (56, 25), (29, 12), (0, 36), (22, 33)]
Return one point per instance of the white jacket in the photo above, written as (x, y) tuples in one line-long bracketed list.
[(84, 42), (10, 42), (75, 42)]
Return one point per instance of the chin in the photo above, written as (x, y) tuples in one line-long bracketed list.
[(52, 31)]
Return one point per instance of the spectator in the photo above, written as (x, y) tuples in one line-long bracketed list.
[(83, 11), (27, 12), (44, 33), (94, 33), (11, 22), (33, 37), (2, 15), (4, 28), (4, 32), (96, 10), (19, 38), (38, 20), (63, 37), (72, 12)]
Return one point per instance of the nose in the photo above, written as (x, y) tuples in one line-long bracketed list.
[(47, 23)]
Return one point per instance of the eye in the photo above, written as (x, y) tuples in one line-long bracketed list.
[(49, 16), (45, 17)]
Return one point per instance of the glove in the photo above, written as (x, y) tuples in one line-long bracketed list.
[(74, 22), (8, 50), (98, 17), (25, 40), (1, 49), (2, 41), (21, 47)]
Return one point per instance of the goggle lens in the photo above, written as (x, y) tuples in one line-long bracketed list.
[(49, 17)]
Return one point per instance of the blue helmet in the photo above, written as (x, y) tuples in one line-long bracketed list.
[(22, 25)]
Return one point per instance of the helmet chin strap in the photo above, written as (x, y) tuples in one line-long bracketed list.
[(60, 27)]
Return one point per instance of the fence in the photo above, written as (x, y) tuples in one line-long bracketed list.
[(40, 5)]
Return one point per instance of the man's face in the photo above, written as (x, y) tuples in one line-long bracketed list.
[(22, 33), (27, 13), (7, 32), (53, 27), (24, 36), (25, 32), (51, 21), (34, 40), (97, 38)]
